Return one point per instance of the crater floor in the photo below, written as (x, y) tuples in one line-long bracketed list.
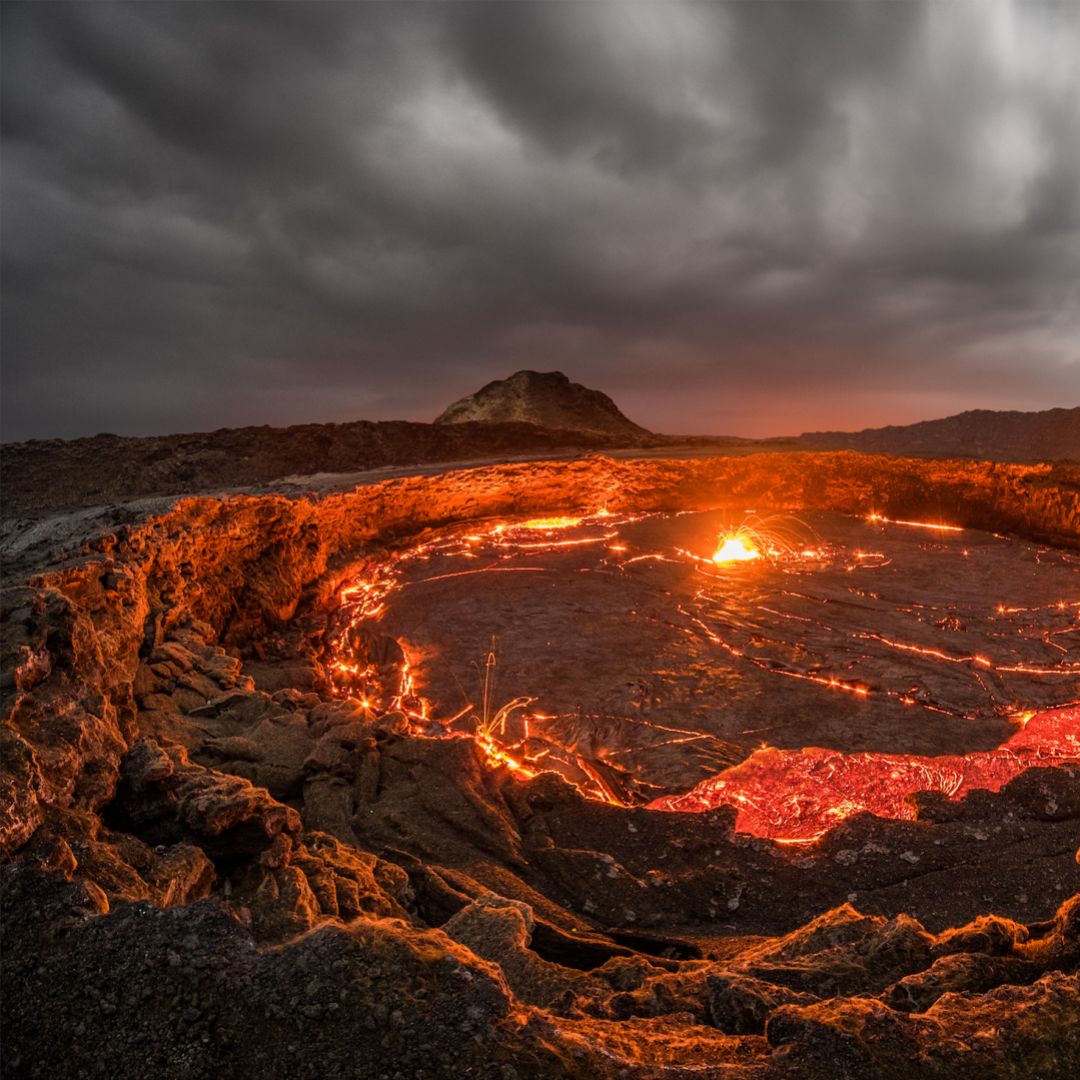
[(634, 648)]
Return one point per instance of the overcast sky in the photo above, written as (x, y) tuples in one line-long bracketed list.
[(750, 218)]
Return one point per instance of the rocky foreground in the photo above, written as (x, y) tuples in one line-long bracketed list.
[(214, 866)]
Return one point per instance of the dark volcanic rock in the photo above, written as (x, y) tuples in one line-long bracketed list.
[(1051, 435), (1012, 1032), (165, 796), (545, 398), (740, 1004), (53, 474), (151, 993), (957, 973), (204, 878)]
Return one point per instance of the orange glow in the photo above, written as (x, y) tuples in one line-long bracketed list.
[(796, 796), (735, 548), (780, 538), (495, 757), (791, 796), (549, 523), (881, 519)]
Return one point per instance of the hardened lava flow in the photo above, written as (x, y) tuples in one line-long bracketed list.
[(744, 767)]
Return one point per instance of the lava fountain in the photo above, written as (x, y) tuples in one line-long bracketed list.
[(735, 549)]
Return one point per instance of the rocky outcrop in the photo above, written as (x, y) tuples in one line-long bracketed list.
[(148, 991), (545, 398), (164, 796)]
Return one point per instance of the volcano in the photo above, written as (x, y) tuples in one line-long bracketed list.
[(518, 769)]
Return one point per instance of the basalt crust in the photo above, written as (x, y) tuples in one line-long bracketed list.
[(213, 864)]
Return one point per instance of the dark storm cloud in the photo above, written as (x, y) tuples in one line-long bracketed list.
[(746, 217)]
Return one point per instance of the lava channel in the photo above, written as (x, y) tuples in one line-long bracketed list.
[(796, 796)]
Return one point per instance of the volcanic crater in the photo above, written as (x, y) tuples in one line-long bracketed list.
[(746, 766)]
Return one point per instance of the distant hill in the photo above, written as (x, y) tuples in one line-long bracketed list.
[(545, 398), (1051, 435)]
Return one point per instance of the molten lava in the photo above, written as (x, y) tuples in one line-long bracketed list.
[(388, 683), (880, 519), (735, 548), (798, 795), (839, 641), (780, 538), (548, 524)]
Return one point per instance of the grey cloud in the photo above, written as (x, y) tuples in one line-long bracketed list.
[(749, 217)]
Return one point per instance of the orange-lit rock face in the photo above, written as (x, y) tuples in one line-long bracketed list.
[(167, 740), (641, 656)]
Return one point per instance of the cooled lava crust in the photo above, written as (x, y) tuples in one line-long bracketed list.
[(214, 864)]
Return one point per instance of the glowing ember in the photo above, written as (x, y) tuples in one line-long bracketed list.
[(735, 549), (798, 795)]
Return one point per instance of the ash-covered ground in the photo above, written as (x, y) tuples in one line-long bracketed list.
[(250, 827)]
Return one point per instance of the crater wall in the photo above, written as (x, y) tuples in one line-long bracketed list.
[(145, 772)]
